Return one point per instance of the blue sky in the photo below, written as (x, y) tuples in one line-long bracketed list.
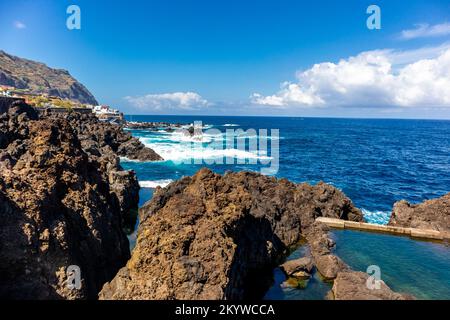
[(243, 57)]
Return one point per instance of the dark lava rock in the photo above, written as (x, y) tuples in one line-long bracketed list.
[(135, 150), (105, 137), (432, 214), (298, 268), (219, 237), (59, 206), (321, 246)]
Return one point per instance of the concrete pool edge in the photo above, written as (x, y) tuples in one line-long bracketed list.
[(363, 226)]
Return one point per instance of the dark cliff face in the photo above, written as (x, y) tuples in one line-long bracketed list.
[(62, 202), (26, 74), (219, 237)]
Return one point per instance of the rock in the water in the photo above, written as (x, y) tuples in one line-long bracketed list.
[(298, 268), (321, 246), (59, 206), (352, 285), (296, 282), (329, 265), (219, 237), (432, 214), (135, 150)]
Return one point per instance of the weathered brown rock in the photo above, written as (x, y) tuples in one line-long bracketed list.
[(135, 150), (59, 206), (219, 237), (298, 268), (99, 138), (352, 285), (321, 246), (329, 265), (432, 214)]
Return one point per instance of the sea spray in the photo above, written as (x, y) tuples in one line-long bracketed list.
[(231, 147)]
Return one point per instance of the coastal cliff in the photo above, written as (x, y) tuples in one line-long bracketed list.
[(39, 78), (219, 237), (63, 201)]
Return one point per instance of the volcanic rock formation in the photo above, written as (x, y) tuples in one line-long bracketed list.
[(62, 203), (432, 214), (219, 237), (352, 285)]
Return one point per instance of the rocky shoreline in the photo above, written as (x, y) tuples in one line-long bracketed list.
[(219, 237), (152, 125), (65, 200)]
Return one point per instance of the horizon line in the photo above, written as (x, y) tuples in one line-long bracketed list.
[(287, 116)]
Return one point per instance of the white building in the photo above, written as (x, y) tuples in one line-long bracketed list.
[(105, 110)]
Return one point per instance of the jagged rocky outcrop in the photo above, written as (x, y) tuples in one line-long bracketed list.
[(321, 245), (219, 237), (37, 77), (432, 214), (152, 125), (99, 138), (298, 268), (62, 202), (353, 285)]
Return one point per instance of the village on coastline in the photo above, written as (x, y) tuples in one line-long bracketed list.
[(105, 113), (42, 100)]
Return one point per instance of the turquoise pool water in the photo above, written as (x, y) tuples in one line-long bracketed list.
[(374, 162), (316, 288), (410, 266), (416, 267)]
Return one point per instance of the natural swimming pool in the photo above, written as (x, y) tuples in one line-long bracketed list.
[(416, 267)]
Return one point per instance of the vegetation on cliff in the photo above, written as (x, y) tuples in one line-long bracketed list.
[(39, 78)]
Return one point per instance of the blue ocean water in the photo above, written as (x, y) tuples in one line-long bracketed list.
[(374, 162)]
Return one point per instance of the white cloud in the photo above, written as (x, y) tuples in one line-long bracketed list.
[(19, 25), (426, 30), (169, 101), (378, 78)]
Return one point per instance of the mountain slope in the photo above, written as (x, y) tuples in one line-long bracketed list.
[(39, 78)]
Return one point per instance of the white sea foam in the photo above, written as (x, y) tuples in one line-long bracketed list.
[(230, 125), (181, 137), (376, 217), (125, 159), (185, 151), (155, 183)]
